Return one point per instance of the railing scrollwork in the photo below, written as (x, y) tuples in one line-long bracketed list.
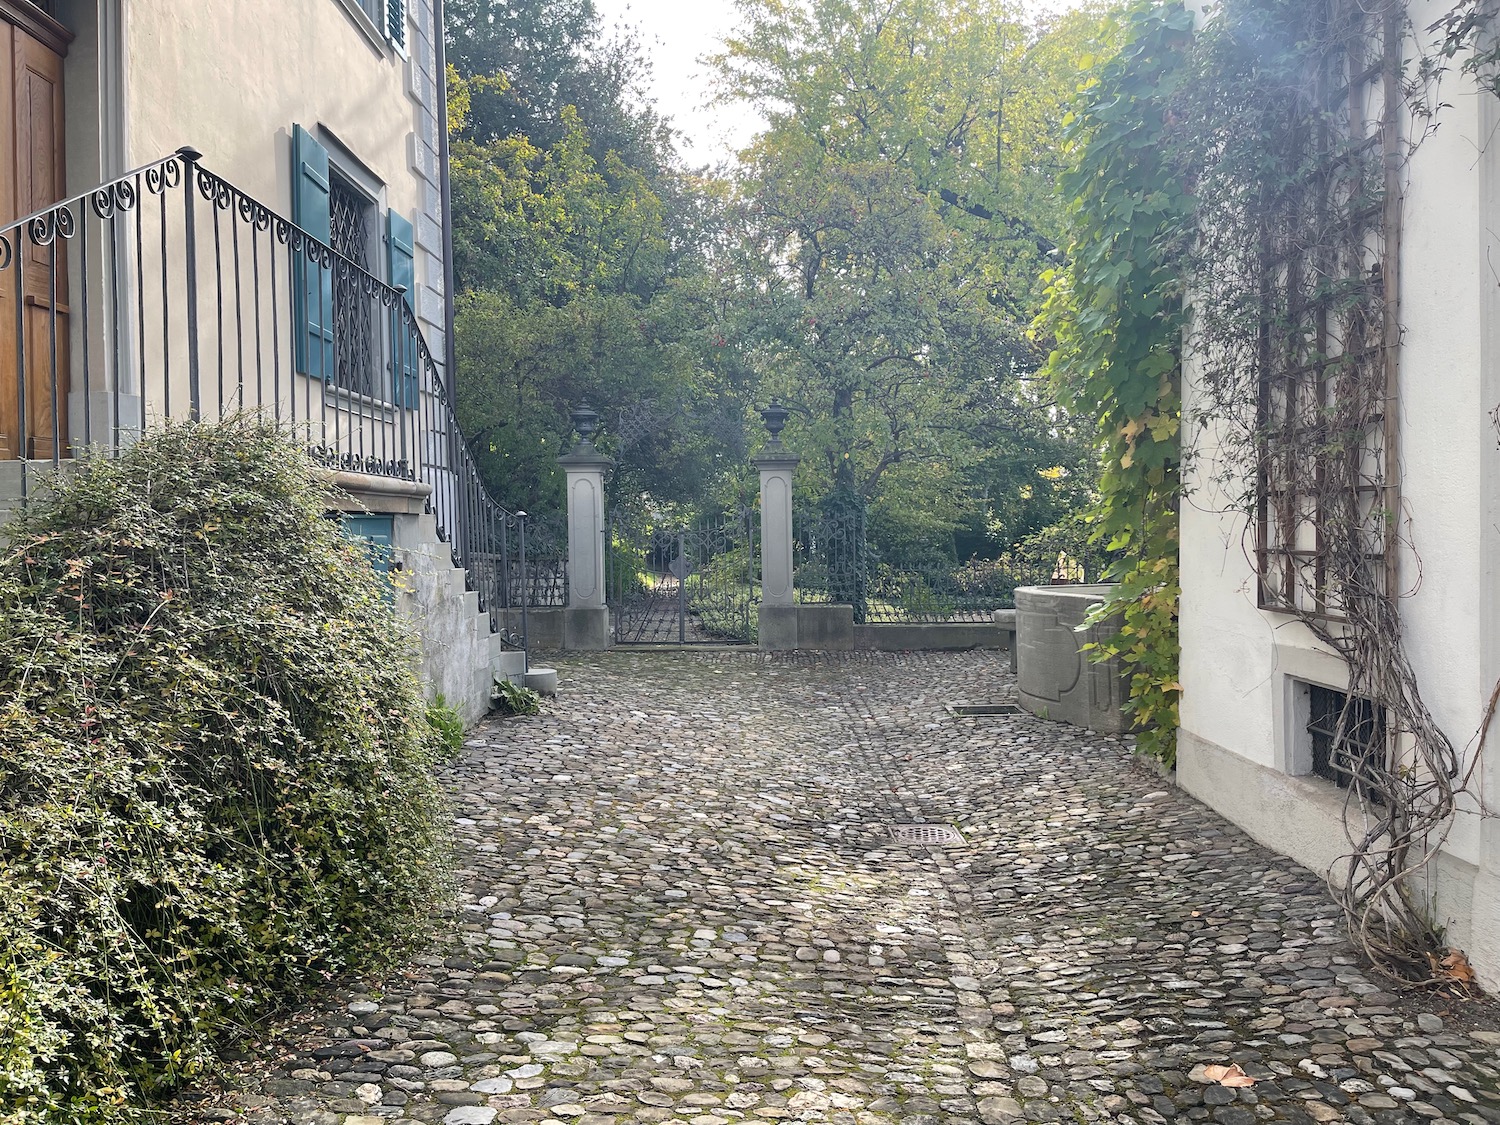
[(171, 292)]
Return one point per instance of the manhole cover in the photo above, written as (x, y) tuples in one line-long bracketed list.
[(984, 708), (925, 834)]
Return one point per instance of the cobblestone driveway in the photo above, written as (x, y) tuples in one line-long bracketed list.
[(681, 902)]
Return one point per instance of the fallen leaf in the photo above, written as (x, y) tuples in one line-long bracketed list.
[(1230, 1075), (1457, 966)]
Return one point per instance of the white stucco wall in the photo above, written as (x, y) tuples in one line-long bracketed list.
[(1238, 661), (457, 647)]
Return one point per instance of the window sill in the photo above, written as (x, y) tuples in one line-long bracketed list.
[(352, 402), (367, 28)]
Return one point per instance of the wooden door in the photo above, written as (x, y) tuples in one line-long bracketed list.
[(34, 324)]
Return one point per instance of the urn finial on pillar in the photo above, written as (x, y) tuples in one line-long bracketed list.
[(585, 420), (775, 416)]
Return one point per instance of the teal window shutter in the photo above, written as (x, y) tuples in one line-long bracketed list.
[(312, 284), (395, 22), (401, 253)]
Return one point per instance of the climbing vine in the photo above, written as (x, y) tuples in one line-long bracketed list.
[(1237, 202), (1116, 312)]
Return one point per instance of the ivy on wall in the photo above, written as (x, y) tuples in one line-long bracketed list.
[(1116, 313), (1224, 204)]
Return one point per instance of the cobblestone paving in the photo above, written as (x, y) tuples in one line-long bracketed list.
[(682, 903)]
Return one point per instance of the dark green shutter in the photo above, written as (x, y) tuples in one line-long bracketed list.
[(312, 285), (395, 21), (401, 255)]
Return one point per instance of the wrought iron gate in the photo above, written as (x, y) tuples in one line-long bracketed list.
[(678, 583)]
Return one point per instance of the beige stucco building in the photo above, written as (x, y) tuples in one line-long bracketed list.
[(209, 208)]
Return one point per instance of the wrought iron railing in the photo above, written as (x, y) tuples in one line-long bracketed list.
[(676, 580), (169, 293), (836, 564)]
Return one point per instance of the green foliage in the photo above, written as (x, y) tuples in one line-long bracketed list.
[(513, 699), (529, 60), (446, 723), (214, 786), (1116, 312), (897, 213), (919, 601), (873, 262), (1466, 32), (547, 224), (581, 276)]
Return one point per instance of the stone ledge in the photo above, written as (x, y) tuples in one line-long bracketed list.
[(380, 495)]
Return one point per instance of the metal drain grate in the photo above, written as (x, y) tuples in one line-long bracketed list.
[(984, 708), (925, 834)]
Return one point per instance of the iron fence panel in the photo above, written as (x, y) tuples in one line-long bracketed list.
[(835, 563), (676, 582)]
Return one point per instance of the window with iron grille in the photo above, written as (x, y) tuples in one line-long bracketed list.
[(395, 22), (1348, 740), (351, 220)]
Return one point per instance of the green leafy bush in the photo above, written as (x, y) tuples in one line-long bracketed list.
[(513, 699), (214, 766)]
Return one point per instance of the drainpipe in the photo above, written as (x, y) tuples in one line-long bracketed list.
[(450, 362), (441, 32)]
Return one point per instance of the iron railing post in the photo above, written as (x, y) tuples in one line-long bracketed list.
[(52, 345), (23, 454), (525, 598), (190, 159), (682, 566)]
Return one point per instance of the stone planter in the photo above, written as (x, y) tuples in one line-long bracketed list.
[(1057, 679)]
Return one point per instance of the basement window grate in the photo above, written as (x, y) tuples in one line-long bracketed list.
[(1348, 741), (926, 834), (984, 708)]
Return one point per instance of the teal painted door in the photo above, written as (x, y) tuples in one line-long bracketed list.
[(378, 532)]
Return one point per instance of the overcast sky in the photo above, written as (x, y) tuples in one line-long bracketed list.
[(678, 33)]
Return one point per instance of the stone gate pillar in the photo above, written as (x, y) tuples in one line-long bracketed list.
[(778, 604), (586, 620)]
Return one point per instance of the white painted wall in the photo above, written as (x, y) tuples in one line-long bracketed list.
[(1237, 726)]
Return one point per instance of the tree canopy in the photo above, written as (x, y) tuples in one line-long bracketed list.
[(872, 260), (902, 209)]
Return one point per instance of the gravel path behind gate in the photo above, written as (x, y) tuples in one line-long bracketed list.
[(681, 902)]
